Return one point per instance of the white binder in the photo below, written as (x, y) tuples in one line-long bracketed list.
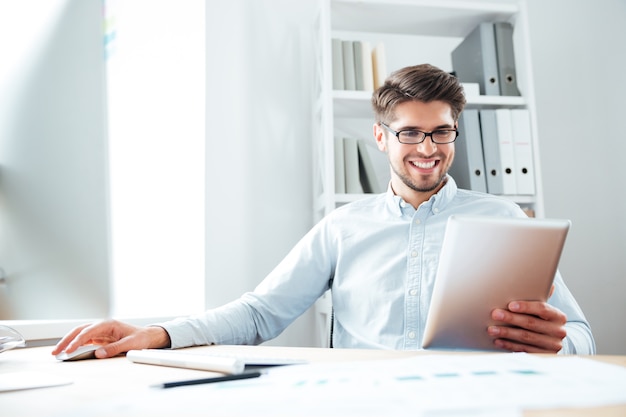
[(507, 153), (364, 70), (349, 70), (379, 65), (340, 170), (337, 64), (351, 161), (523, 150)]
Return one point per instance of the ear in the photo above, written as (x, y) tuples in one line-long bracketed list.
[(379, 136)]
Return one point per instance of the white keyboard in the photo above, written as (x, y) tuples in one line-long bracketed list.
[(187, 360), (216, 361)]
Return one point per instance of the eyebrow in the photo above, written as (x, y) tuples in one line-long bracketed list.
[(443, 126)]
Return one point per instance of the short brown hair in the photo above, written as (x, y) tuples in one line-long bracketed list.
[(423, 83)]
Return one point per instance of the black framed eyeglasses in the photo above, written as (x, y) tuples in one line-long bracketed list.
[(414, 136)]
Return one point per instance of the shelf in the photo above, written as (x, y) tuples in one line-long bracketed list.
[(416, 17), (357, 103), (351, 103), (412, 31), (495, 101)]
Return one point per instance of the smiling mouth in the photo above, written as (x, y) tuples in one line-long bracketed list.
[(424, 165)]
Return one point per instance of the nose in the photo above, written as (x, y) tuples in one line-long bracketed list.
[(427, 146)]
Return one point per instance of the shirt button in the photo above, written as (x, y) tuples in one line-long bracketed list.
[(414, 254), (413, 292), (411, 335), (435, 210), (418, 221)]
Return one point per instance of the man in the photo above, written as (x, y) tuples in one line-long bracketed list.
[(379, 255)]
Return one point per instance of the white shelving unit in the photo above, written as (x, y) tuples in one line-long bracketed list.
[(413, 32)]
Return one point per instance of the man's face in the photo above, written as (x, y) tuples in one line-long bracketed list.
[(417, 171)]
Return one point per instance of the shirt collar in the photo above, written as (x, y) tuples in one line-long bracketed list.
[(437, 202)]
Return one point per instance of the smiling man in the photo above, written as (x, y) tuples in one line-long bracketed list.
[(378, 255), (423, 166)]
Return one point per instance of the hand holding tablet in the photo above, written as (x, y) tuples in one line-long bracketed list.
[(485, 263)]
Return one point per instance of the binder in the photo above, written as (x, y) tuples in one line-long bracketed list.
[(337, 64), (351, 163), (498, 151), (379, 64), (489, 134), (468, 168), (507, 153), (523, 149), (506, 59), (340, 170), (474, 60), (349, 75), (373, 167), (364, 77), (358, 65)]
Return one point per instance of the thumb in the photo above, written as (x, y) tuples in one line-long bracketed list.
[(113, 349)]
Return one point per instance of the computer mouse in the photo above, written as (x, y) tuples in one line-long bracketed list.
[(83, 352)]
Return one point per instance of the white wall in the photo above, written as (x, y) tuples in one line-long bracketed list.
[(53, 161), (258, 150), (579, 59)]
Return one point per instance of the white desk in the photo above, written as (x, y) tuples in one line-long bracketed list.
[(99, 381)]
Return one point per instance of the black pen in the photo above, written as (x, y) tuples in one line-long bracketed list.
[(233, 377)]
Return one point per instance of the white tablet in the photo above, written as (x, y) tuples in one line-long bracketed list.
[(486, 262)]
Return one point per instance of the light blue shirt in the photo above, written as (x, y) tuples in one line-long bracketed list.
[(379, 255)]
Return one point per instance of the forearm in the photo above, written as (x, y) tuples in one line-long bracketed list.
[(230, 324)]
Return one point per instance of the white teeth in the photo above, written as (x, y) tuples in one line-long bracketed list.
[(424, 165)]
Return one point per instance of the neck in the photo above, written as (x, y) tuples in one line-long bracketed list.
[(414, 197)]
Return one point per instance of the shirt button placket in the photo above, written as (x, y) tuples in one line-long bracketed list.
[(414, 279)]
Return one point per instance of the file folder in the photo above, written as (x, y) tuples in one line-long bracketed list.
[(340, 170), (523, 150), (506, 59), (374, 167), (358, 66), (337, 64), (379, 64), (498, 151), (507, 153), (468, 168), (349, 70), (364, 71), (351, 160), (475, 60)]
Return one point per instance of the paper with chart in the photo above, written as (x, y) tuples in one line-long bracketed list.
[(474, 385)]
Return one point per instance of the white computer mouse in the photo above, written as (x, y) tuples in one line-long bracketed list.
[(83, 352)]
